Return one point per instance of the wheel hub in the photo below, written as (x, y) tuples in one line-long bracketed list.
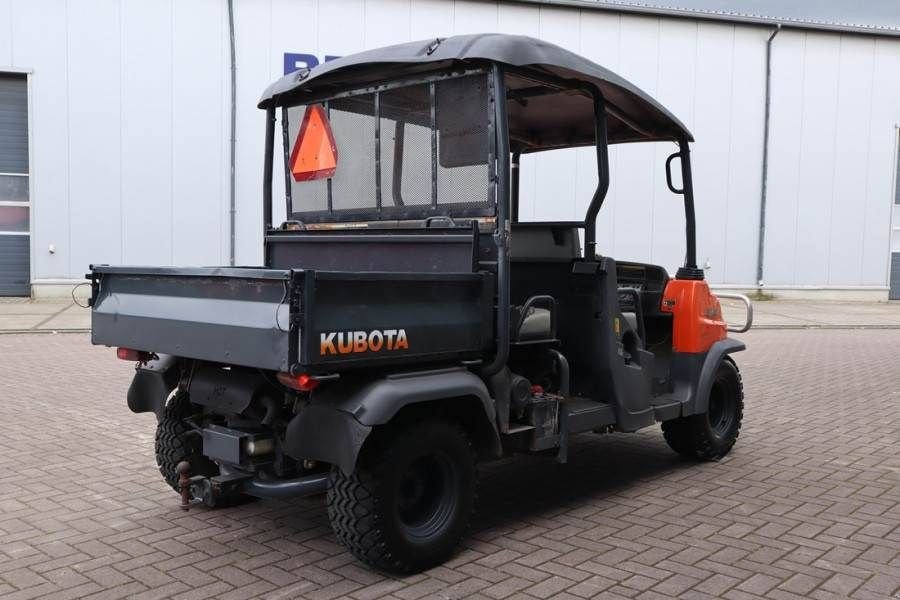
[(427, 495), (721, 409)]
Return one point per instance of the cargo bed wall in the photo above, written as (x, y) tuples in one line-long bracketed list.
[(364, 319), (238, 316)]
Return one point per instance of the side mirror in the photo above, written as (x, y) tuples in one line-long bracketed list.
[(669, 183)]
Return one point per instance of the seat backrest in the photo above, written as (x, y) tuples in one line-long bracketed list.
[(544, 242)]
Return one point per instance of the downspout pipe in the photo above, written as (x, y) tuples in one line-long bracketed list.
[(232, 208), (763, 195)]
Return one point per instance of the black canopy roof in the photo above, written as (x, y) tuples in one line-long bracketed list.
[(540, 123)]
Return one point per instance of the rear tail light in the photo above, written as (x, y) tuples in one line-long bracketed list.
[(302, 382), (133, 355)]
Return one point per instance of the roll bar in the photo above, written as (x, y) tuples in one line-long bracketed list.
[(590, 218), (268, 162), (501, 234), (601, 109), (689, 270)]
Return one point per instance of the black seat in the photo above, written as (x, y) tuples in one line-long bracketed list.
[(535, 320), (536, 325), (532, 243), (544, 242)]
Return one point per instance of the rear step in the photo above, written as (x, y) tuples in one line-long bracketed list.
[(576, 415), (585, 414)]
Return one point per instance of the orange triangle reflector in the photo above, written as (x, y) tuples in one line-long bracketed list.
[(314, 155)]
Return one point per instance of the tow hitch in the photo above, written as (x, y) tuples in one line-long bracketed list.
[(229, 448), (211, 490)]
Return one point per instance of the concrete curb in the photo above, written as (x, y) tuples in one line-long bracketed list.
[(41, 331)]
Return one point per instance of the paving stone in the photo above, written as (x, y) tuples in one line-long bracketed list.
[(806, 506)]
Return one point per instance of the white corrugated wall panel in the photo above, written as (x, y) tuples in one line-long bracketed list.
[(430, 18), (257, 65), (146, 190), (95, 134), (46, 56), (200, 133), (745, 147), (835, 107), (788, 72), (6, 32), (816, 162), (848, 197), (473, 16), (386, 22), (712, 128), (518, 19), (881, 147)]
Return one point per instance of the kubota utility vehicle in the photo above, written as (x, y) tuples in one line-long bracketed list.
[(406, 324)]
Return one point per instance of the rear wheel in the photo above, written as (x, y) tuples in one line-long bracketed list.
[(408, 503), (711, 435), (177, 441)]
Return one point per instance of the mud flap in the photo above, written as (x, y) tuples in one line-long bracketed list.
[(323, 433), (153, 382), (714, 357), (334, 426)]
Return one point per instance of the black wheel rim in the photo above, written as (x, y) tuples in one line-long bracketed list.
[(722, 408), (427, 496)]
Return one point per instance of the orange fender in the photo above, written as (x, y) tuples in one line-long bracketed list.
[(697, 321)]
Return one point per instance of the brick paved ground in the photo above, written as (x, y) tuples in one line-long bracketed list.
[(805, 506)]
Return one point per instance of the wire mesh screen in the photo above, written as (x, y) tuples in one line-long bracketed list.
[(463, 142), (353, 125), (401, 152), (406, 146)]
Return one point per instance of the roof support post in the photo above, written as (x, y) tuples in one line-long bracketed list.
[(590, 219), (501, 234), (689, 270), (514, 186), (268, 161)]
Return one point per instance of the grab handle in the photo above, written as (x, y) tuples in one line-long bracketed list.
[(749, 322)]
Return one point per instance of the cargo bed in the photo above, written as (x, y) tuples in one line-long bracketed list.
[(290, 319)]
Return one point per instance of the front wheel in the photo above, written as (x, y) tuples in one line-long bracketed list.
[(711, 435), (408, 503)]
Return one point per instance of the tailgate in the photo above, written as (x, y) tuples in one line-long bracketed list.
[(240, 316)]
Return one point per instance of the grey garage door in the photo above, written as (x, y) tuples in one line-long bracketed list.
[(15, 207)]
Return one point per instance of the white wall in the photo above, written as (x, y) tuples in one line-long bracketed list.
[(130, 130), (834, 116)]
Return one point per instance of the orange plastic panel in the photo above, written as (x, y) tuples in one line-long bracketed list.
[(315, 154), (696, 315)]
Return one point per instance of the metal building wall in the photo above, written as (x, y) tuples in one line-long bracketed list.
[(130, 129)]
